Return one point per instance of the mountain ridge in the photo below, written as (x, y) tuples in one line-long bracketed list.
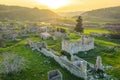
[(24, 13)]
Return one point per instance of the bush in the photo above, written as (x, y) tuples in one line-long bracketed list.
[(11, 63)]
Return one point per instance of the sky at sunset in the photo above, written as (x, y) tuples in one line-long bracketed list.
[(64, 5)]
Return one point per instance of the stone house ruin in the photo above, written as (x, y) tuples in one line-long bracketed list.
[(36, 46), (43, 29), (47, 32), (54, 75), (45, 35), (11, 35), (84, 44), (60, 32)]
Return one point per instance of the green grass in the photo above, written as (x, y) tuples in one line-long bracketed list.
[(37, 68), (106, 42), (87, 31), (74, 37), (54, 44)]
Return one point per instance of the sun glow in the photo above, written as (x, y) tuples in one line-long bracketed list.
[(54, 4)]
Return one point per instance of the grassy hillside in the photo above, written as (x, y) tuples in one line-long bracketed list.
[(70, 14), (111, 14), (94, 18), (23, 13)]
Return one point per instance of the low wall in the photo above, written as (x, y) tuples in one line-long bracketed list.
[(79, 70), (65, 63)]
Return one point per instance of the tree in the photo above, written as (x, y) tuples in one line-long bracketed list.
[(79, 27)]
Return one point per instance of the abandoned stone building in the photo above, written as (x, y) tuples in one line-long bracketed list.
[(84, 44), (45, 35)]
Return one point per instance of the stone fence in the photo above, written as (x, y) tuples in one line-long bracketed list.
[(65, 63), (76, 65)]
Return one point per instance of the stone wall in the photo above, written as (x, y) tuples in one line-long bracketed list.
[(47, 53), (76, 65), (84, 44), (79, 70)]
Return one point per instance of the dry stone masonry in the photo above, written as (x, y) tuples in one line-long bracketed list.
[(84, 44), (76, 65)]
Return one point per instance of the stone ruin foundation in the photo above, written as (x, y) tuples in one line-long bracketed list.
[(54, 75)]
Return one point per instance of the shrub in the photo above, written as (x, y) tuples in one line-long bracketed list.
[(11, 63)]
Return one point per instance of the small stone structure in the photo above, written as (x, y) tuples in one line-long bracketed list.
[(59, 34), (84, 44), (36, 46), (54, 75), (43, 29), (45, 35), (11, 35)]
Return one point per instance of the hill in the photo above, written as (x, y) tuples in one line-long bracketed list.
[(23, 13), (103, 15), (95, 18), (70, 14)]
